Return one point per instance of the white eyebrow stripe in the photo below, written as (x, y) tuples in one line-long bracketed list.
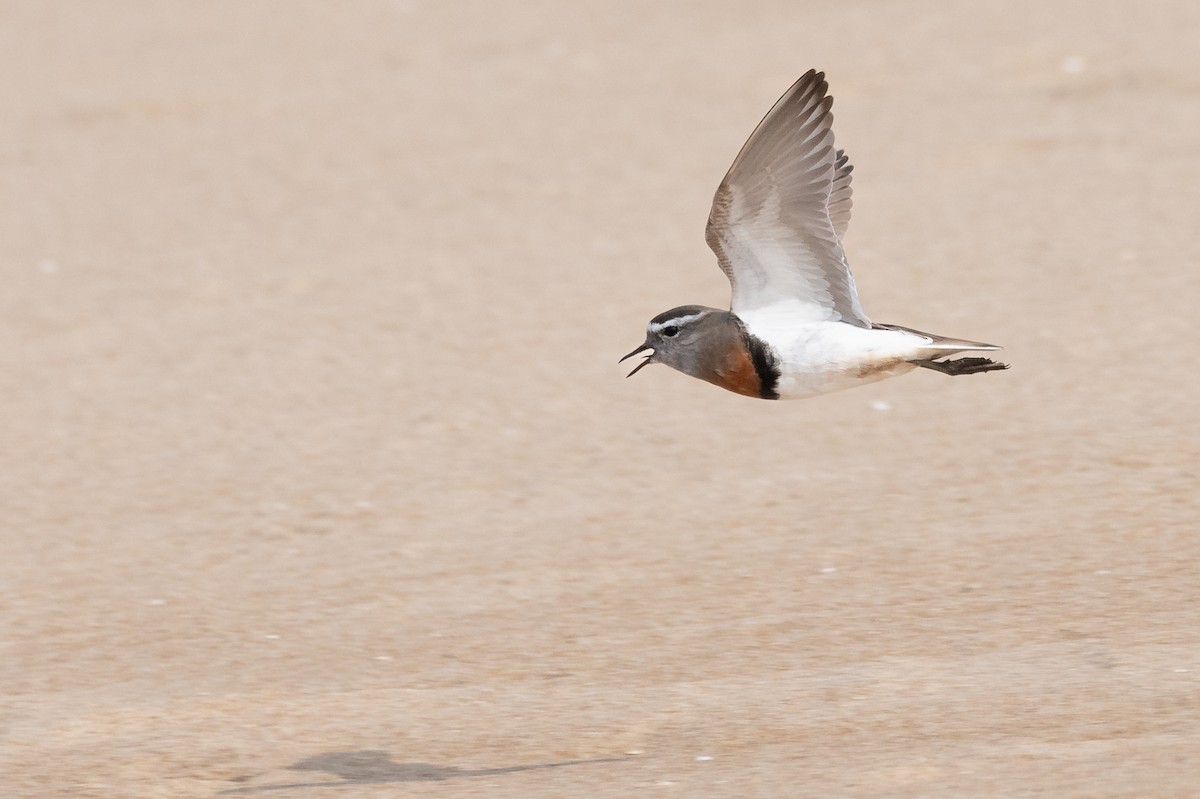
[(678, 321)]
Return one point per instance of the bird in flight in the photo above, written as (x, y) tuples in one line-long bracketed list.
[(794, 327)]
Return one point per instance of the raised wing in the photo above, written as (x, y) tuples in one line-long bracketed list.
[(778, 216)]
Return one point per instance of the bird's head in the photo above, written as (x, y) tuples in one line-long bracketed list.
[(678, 339)]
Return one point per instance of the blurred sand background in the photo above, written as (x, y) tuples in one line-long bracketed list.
[(319, 477)]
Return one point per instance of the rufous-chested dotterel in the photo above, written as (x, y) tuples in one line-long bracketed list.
[(795, 327)]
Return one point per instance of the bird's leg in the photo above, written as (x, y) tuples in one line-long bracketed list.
[(962, 366)]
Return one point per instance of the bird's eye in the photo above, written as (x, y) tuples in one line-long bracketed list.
[(670, 331)]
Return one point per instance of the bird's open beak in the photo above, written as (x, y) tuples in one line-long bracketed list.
[(649, 358)]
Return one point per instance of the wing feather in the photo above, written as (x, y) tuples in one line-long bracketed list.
[(840, 201), (778, 216)]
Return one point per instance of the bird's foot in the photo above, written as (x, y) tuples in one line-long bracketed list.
[(962, 366)]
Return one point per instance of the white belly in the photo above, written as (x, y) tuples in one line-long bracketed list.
[(820, 357)]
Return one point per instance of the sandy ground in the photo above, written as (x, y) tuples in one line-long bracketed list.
[(319, 477)]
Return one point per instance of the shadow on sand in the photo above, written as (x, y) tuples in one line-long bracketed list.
[(372, 767)]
